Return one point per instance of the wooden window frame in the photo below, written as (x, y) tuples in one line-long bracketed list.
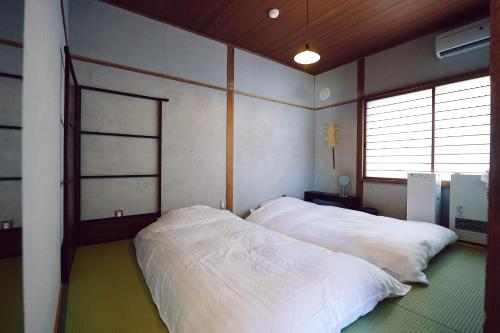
[(405, 90)]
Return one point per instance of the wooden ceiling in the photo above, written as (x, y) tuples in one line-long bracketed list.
[(341, 31)]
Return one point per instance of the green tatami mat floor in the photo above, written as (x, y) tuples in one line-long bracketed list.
[(11, 295), (107, 293)]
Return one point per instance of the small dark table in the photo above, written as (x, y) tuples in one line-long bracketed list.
[(347, 202)]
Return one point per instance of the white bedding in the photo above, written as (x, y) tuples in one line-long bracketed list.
[(210, 271), (402, 248)]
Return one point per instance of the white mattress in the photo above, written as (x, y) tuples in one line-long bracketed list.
[(402, 248), (210, 271)]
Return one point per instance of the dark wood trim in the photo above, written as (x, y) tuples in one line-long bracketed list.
[(360, 130), (119, 176), (413, 88), (120, 134), (230, 129), (11, 76), (70, 215), (348, 202), (63, 17), (11, 243), (116, 92), (57, 320), (472, 245), (179, 79), (8, 127), (160, 126), (110, 229), (10, 178), (433, 139), (11, 43), (384, 180), (492, 299), (332, 105), (145, 72), (428, 84), (274, 100)]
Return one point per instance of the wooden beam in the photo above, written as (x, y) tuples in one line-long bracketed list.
[(144, 71), (230, 128), (492, 300), (360, 131)]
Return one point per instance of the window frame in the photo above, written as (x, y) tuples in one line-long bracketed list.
[(410, 89)]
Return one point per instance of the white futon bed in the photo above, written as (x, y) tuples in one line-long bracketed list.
[(210, 271), (402, 248)]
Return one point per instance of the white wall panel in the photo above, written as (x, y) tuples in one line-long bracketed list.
[(415, 62), (11, 20), (10, 202), (325, 177), (341, 82), (10, 101), (259, 76), (194, 133), (273, 152), (105, 112), (111, 155), (43, 40), (10, 153), (389, 199), (101, 197), (11, 59), (109, 33)]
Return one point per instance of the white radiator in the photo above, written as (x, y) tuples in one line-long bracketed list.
[(469, 207)]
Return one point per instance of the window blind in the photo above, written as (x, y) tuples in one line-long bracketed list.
[(462, 127), (399, 135)]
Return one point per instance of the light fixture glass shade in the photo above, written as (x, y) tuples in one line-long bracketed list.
[(306, 57)]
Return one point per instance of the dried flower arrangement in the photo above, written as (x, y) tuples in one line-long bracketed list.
[(331, 139)]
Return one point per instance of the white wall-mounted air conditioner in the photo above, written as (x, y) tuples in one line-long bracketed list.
[(469, 37)]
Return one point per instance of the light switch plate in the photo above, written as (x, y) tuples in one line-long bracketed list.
[(8, 224)]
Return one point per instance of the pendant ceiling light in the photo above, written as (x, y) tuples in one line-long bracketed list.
[(307, 56)]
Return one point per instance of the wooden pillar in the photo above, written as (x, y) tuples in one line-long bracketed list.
[(492, 301), (230, 128), (360, 130)]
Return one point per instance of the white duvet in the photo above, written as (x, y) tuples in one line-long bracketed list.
[(402, 248), (210, 271)]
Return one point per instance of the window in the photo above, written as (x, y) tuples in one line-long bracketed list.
[(439, 128)]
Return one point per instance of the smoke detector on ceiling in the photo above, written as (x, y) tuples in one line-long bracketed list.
[(274, 13)]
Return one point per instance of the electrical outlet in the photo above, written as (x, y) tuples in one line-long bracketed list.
[(222, 205), (7, 224), (118, 213)]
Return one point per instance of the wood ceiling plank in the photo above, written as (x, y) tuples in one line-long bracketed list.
[(196, 14), (332, 23), (240, 17), (341, 31), (292, 17), (421, 27), (379, 30)]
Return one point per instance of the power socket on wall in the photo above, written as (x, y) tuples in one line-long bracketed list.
[(118, 213), (222, 205), (7, 224)]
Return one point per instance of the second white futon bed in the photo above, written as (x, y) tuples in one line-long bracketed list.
[(210, 271), (402, 248)]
